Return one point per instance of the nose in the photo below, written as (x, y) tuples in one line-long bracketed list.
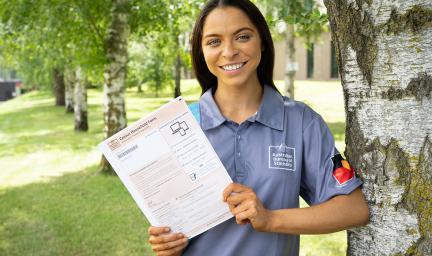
[(229, 50)]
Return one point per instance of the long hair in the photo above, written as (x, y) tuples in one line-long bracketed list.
[(265, 68)]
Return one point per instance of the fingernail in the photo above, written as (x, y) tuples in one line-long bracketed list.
[(180, 235), (166, 229)]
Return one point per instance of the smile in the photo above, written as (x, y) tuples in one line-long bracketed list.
[(232, 67)]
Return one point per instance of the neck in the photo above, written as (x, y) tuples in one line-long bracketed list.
[(238, 103)]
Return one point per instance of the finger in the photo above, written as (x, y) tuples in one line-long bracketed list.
[(169, 245), (245, 216), (234, 188), (161, 239), (173, 250), (158, 230), (231, 207), (238, 198), (243, 207), (243, 222)]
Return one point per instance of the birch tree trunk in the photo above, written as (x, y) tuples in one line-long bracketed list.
[(69, 90), (115, 73), (384, 52), (80, 106), (177, 76), (59, 87), (291, 65)]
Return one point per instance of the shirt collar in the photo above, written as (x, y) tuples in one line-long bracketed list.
[(211, 116), (270, 113)]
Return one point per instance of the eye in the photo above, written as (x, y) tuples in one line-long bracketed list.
[(243, 38), (213, 42)]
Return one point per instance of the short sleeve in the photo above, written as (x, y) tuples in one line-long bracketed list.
[(325, 173)]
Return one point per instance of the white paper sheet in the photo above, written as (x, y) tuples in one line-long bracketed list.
[(171, 170)]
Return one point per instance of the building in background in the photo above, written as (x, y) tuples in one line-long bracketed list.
[(317, 63), (10, 85)]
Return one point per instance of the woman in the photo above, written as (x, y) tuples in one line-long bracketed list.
[(275, 149)]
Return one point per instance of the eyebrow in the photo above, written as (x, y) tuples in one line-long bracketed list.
[(236, 32)]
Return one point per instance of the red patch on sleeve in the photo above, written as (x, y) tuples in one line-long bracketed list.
[(342, 175), (342, 171)]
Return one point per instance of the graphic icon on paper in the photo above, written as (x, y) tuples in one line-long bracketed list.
[(181, 127), (114, 144), (192, 176)]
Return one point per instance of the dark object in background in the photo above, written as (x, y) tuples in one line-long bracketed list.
[(8, 90)]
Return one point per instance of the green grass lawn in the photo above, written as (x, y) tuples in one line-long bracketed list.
[(54, 202)]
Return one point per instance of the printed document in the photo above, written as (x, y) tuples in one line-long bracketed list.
[(171, 170)]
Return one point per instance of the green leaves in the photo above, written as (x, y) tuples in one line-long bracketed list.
[(306, 16), (58, 33)]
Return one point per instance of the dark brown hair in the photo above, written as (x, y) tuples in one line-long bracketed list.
[(264, 70)]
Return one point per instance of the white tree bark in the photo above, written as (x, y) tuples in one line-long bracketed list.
[(115, 73), (69, 90), (80, 106), (385, 57), (291, 65)]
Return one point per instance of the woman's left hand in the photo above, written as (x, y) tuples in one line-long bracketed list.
[(246, 206)]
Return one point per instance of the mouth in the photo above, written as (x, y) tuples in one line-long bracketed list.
[(233, 67)]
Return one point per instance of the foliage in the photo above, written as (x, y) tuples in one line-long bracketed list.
[(150, 62), (53, 34), (308, 20), (40, 36), (153, 54)]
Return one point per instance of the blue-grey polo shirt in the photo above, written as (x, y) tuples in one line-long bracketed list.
[(283, 152)]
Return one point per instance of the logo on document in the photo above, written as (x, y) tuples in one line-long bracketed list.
[(180, 127), (114, 144), (282, 157)]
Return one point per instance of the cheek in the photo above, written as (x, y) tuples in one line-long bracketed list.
[(210, 58)]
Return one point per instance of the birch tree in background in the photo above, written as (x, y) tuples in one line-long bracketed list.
[(59, 87), (69, 90), (115, 73), (384, 51), (291, 65), (80, 106)]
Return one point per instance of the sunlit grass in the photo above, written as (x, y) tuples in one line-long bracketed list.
[(54, 202)]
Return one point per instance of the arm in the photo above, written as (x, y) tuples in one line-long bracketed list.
[(338, 213)]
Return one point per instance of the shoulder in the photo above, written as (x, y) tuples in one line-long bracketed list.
[(301, 110)]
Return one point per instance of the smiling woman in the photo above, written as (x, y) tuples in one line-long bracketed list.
[(214, 20), (232, 48), (275, 149)]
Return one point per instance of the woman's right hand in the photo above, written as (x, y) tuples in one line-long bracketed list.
[(165, 243)]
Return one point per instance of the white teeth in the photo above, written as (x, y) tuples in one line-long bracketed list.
[(232, 67)]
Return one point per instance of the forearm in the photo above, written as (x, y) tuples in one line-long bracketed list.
[(338, 213)]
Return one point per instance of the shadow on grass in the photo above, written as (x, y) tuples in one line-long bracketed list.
[(85, 213), (43, 126)]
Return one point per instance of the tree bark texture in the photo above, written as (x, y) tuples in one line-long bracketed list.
[(291, 65), (59, 87), (115, 73), (80, 107), (69, 76), (177, 76), (384, 50)]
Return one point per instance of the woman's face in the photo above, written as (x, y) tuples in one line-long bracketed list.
[(232, 47)]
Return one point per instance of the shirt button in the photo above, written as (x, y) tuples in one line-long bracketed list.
[(238, 137), (238, 153)]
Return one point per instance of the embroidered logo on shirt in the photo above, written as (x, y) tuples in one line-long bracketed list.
[(342, 170), (282, 157)]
